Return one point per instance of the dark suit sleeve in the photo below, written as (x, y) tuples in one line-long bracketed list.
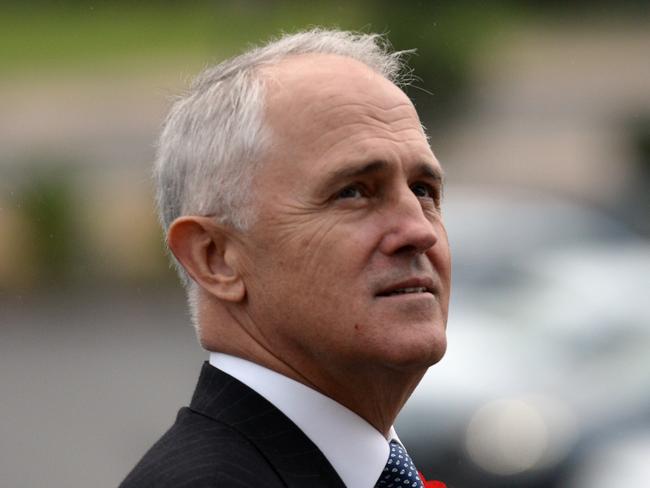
[(199, 452)]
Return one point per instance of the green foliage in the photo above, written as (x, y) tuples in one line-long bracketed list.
[(123, 37), (47, 203), (84, 39), (44, 37)]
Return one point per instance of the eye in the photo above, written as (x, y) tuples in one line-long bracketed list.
[(428, 194), (423, 190), (352, 191)]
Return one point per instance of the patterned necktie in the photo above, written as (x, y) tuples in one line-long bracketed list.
[(399, 470)]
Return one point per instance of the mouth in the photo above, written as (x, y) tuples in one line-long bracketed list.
[(412, 287)]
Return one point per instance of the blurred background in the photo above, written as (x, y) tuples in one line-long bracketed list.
[(540, 114)]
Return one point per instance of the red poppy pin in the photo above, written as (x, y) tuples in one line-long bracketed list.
[(431, 483)]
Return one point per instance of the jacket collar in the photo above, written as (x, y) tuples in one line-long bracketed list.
[(293, 455)]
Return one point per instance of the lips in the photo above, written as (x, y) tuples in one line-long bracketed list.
[(410, 286)]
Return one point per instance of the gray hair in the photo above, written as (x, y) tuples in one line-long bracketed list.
[(214, 136)]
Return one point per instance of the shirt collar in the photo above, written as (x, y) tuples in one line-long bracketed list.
[(340, 434)]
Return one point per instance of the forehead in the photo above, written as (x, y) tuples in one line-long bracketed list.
[(325, 87), (328, 107)]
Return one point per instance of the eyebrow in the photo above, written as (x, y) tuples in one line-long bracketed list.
[(431, 171), (351, 172)]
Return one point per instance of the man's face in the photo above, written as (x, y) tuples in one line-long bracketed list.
[(348, 263)]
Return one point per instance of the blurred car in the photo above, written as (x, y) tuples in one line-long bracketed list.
[(549, 344)]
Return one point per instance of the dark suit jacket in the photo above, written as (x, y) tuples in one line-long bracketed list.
[(232, 437)]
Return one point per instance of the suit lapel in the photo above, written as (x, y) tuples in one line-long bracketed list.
[(293, 455)]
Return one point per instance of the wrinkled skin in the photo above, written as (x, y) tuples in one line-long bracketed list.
[(348, 203)]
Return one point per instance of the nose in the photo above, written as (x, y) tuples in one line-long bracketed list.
[(409, 230)]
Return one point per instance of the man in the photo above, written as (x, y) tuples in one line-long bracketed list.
[(300, 195)]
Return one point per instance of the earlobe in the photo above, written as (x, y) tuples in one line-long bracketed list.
[(208, 253)]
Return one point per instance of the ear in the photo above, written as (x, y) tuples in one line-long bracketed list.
[(208, 254)]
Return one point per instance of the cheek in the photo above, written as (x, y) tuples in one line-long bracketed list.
[(318, 258), (442, 264), (442, 254), (323, 253)]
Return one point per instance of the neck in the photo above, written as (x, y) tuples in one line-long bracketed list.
[(375, 395)]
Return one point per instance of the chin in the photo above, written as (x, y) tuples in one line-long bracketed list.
[(417, 355)]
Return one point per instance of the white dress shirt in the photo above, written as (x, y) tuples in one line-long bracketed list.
[(340, 434)]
